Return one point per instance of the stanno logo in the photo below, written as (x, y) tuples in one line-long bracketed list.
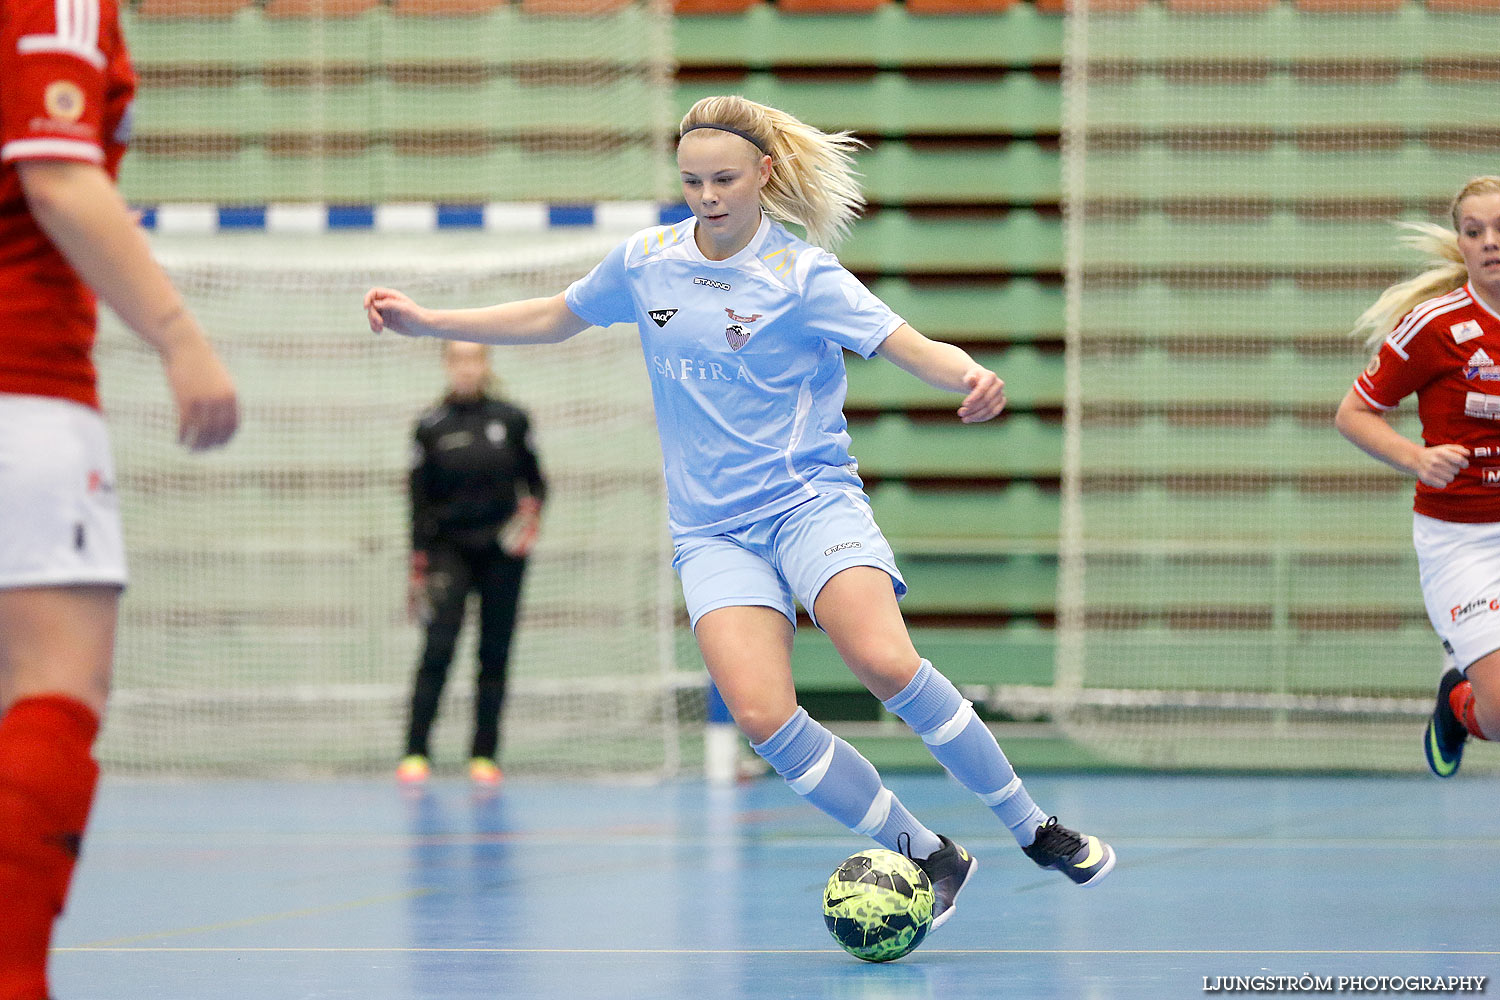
[(711, 283), (841, 546), (661, 316), (743, 319)]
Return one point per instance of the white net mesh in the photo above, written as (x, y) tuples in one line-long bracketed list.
[(265, 627), (1238, 586)]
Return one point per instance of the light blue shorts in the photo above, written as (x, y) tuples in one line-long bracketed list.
[(788, 556)]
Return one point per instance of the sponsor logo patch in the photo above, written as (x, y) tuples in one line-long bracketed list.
[(711, 283), (661, 316), (736, 317), (1463, 612), (1481, 366), (63, 100), (1490, 477), (841, 546), (1481, 405), (1465, 331)]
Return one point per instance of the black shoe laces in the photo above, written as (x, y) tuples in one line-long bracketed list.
[(1054, 838)]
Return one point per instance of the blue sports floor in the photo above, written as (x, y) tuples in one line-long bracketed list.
[(210, 889)]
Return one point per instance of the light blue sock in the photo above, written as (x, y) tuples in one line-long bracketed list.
[(833, 776), (962, 743)]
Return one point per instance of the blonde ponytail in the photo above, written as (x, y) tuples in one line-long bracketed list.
[(1445, 272), (813, 181)]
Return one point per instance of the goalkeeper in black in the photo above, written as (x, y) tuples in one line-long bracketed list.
[(476, 498)]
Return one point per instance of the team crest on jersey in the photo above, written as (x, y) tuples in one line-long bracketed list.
[(63, 100), (661, 316), (1481, 366), (737, 336), (1467, 330), (736, 317)]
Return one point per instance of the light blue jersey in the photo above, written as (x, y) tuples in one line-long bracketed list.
[(746, 365)]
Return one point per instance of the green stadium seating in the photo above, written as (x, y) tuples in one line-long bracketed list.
[(1278, 446), (892, 242), (1359, 519), (1019, 36), (1015, 653), (1017, 446), (982, 585), (1282, 376), (1032, 377), (1016, 172), (1411, 171), (1282, 34), (890, 103), (1019, 517), (1281, 309), (1006, 310), (1284, 242)]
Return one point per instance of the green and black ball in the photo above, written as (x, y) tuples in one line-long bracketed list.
[(878, 905)]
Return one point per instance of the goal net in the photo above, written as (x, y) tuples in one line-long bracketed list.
[(1238, 587), (290, 154), (265, 626)]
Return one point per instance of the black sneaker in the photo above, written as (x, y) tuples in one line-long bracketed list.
[(1084, 859), (1444, 741), (949, 868)]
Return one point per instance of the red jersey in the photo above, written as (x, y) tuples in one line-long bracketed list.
[(65, 90), (1447, 351)]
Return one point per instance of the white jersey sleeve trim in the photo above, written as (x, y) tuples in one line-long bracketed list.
[(1366, 397), (77, 33), (51, 149)]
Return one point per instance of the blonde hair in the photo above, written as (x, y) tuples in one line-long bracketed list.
[(812, 172), (1445, 271)]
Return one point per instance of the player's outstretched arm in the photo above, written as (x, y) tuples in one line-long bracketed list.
[(527, 321), (1369, 431), (82, 213), (944, 366)]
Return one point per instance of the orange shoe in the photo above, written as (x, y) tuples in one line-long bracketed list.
[(483, 771), (414, 769)]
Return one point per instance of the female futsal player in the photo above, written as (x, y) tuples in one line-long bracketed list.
[(744, 328), (476, 501), (1438, 336), (66, 237)]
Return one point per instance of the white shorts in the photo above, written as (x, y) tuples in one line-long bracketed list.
[(59, 512), (1460, 566)]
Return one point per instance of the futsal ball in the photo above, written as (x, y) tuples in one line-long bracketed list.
[(878, 905)]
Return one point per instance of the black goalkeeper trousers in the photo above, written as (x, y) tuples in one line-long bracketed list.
[(453, 574)]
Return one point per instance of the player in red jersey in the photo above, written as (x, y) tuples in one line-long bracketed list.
[(1439, 337), (66, 236)]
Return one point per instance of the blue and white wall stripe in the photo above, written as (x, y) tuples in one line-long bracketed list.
[(408, 217)]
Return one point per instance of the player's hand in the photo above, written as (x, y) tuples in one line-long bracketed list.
[(418, 606), (208, 411), (388, 309), (1440, 465), (518, 535), (986, 396)]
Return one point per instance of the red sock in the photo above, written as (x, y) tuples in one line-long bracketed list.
[(1461, 700), (47, 777)]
